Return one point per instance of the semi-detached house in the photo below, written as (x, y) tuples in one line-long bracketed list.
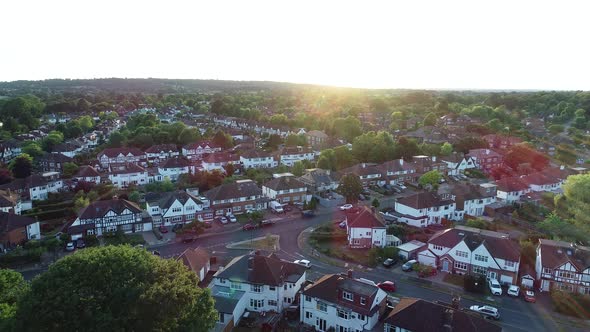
[(427, 208), (397, 172), (237, 198), (123, 175), (120, 156), (343, 303), (257, 159), (195, 151), (511, 189), (88, 174), (369, 174), (179, 207), (285, 188), (472, 199), (289, 155), (466, 250), (158, 153), (174, 167), (563, 266)]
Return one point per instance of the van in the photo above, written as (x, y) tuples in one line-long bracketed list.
[(276, 207)]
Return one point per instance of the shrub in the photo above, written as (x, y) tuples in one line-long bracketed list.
[(474, 284), (571, 304), (91, 241)]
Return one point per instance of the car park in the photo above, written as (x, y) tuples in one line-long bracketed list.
[(303, 262), (529, 296), (486, 311), (346, 207), (513, 290), (163, 229), (495, 287), (389, 262), (70, 246), (388, 286), (409, 265)]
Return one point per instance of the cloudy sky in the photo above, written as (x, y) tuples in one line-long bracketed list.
[(375, 44)]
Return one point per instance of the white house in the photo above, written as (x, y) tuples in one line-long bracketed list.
[(285, 189), (255, 283), (563, 266), (257, 159), (343, 303), (457, 163), (88, 174), (397, 172), (120, 156), (472, 199), (426, 208), (511, 190), (109, 216), (542, 182), (289, 155), (197, 150), (123, 175), (466, 250), (365, 230), (36, 186), (218, 161), (178, 207), (158, 153), (172, 168)]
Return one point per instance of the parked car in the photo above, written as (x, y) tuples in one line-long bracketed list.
[(409, 265), (70, 246), (221, 219), (362, 197), (232, 218), (389, 262), (156, 253), (529, 296), (298, 205), (486, 310), (187, 238), (513, 290), (249, 226), (495, 287), (388, 286), (80, 244), (402, 186), (163, 229), (342, 224), (346, 207), (265, 223), (307, 213), (303, 262)]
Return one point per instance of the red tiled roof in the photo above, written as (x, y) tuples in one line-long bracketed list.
[(511, 184), (424, 200), (195, 259), (556, 253), (365, 219)]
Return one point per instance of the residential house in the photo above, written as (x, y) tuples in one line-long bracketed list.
[(369, 174), (316, 138), (428, 134), (53, 162), (426, 208), (563, 266), (407, 313), (67, 149), (179, 207), (36, 186), (486, 159), (237, 198), (197, 260), (473, 251), (540, 181), (123, 175), (218, 161), (9, 150), (424, 164), (15, 229), (501, 141), (10, 202), (457, 163), (318, 180), (285, 188), (111, 215), (120, 156), (255, 283), (172, 168), (257, 159), (397, 172), (472, 199), (158, 153), (289, 155), (87, 174), (365, 230), (195, 151), (342, 303), (511, 189)]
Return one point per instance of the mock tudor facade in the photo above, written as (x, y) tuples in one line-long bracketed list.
[(195, 151), (563, 266), (178, 207), (343, 303), (466, 250), (457, 163), (120, 155)]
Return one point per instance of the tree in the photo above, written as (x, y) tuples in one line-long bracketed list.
[(81, 202), (117, 140), (430, 119), (53, 138), (350, 187), (431, 178), (273, 141), (520, 154), (21, 166), (406, 148), (222, 139), (32, 148), (292, 140), (446, 149), (12, 287), (189, 135), (5, 176), (375, 203), (556, 129), (477, 223), (69, 169), (230, 169), (137, 291), (576, 191), (298, 168), (135, 196)]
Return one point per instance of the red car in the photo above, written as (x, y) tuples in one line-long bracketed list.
[(248, 227), (388, 286), (529, 296), (163, 229)]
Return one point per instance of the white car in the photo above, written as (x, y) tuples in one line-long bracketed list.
[(232, 218), (495, 287), (402, 186), (346, 207), (303, 262), (513, 290), (486, 310), (70, 246)]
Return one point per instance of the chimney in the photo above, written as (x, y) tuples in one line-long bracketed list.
[(448, 320), (349, 274)]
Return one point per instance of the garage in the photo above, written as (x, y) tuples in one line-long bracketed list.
[(504, 279), (409, 250), (527, 281), (426, 257)]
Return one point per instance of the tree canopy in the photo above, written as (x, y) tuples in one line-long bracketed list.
[(350, 187)]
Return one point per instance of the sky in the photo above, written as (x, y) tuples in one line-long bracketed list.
[(414, 44)]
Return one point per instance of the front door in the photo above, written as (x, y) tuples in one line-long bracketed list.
[(492, 275), (445, 266), (321, 324)]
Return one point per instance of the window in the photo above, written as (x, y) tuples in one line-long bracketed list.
[(481, 258), (566, 287), (460, 253), (479, 270), (546, 270), (272, 303), (361, 317), (272, 288), (190, 207), (461, 265), (585, 290), (256, 288), (368, 233), (437, 247), (308, 315), (343, 314), (177, 219), (509, 263), (363, 301), (321, 306), (347, 296), (566, 274), (235, 285), (307, 298), (221, 318), (256, 303), (176, 209)]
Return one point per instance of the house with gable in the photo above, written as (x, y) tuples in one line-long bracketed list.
[(472, 199), (486, 159), (473, 251), (285, 188), (53, 162), (341, 302), (158, 153), (424, 164), (457, 163), (109, 216), (172, 168), (563, 266), (426, 208), (316, 138), (120, 156), (318, 180), (178, 207), (88, 174), (397, 172), (257, 159), (123, 175), (16, 229), (218, 161), (197, 260), (365, 230), (237, 197), (291, 154), (511, 189), (369, 174), (10, 202), (195, 151)]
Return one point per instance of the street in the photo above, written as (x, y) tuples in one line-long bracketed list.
[(516, 314)]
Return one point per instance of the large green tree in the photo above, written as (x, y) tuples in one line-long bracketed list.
[(350, 187), (431, 178), (116, 289), (576, 191), (12, 287), (21, 166)]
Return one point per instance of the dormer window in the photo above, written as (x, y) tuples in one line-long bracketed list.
[(347, 296), (363, 301)]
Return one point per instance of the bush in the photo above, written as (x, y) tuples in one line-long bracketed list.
[(91, 241), (571, 304), (21, 256)]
